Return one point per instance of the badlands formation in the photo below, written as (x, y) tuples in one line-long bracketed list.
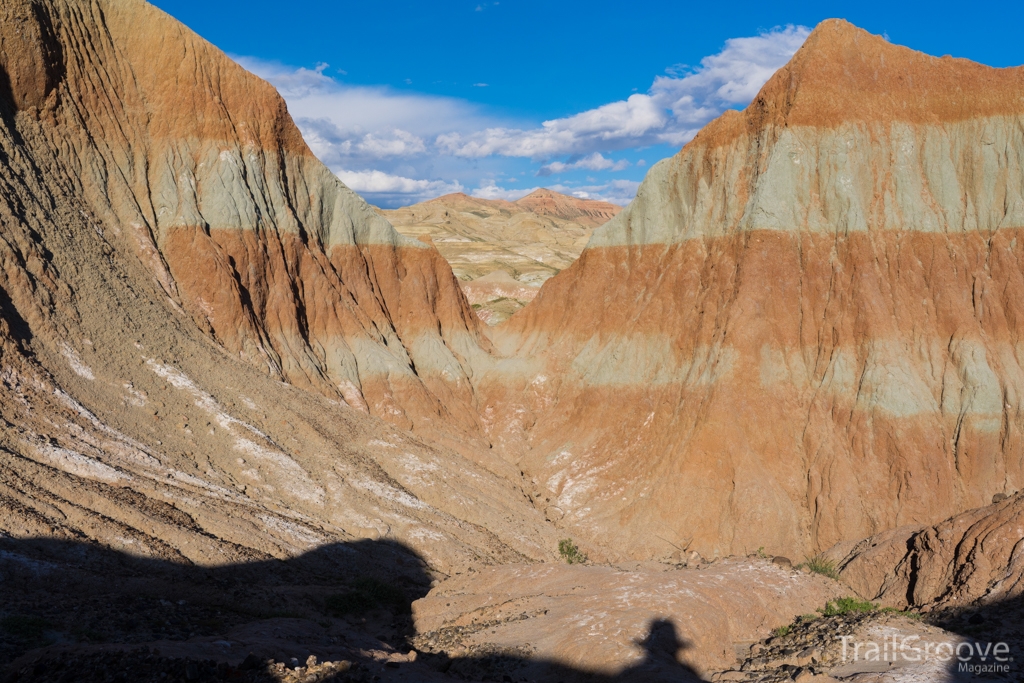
[(240, 413), (502, 252), (805, 329)]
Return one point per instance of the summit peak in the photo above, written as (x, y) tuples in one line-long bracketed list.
[(844, 73)]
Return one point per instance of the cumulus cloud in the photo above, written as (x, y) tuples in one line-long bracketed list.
[(378, 185), (619, 192), (350, 126), (398, 147), (593, 162), (489, 190), (671, 112)]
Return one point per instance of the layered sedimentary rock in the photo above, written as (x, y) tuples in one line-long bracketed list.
[(196, 164), (170, 252), (806, 328), (974, 557), (501, 251)]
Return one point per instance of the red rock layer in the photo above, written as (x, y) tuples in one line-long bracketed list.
[(803, 331), (196, 165), (843, 74), (588, 212)]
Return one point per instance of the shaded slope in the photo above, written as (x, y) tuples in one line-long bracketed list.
[(196, 165)]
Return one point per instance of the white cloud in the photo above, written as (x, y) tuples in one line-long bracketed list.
[(379, 185), (593, 162), (671, 112), (619, 192), (357, 126), (398, 147), (490, 190)]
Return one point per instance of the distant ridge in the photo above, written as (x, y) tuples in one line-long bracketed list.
[(528, 240)]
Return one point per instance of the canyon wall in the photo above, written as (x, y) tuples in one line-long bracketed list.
[(198, 316), (197, 166), (806, 328)]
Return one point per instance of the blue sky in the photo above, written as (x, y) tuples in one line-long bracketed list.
[(410, 100)]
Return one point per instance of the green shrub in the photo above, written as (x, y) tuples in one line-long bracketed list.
[(570, 552), (834, 608), (24, 627), (782, 631), (819, 565), (367, 594)]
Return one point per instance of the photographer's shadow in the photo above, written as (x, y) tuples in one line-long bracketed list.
[(662, 650)]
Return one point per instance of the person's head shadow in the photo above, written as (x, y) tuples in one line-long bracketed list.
[(663, 649)]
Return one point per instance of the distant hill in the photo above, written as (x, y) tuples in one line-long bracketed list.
[(502, 252)]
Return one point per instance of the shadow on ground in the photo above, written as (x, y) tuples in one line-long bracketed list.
[(993, 640), (75, 611)]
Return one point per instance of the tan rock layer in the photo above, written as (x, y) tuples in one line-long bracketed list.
[(601, 619)]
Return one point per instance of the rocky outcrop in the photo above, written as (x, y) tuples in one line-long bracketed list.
[(805, 329), (590, 213), (974, 557), (527, 241)]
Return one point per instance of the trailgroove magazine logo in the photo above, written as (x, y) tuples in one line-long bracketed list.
[(970, 657)]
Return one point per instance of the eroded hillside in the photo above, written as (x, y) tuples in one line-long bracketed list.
[(806, 328), (198, 317)]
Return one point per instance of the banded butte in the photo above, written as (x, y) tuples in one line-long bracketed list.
[(196, 165), (806, 328)]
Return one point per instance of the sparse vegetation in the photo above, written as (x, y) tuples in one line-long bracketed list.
[(366, 595), (820, 565), (782, 631), (835, 608), (762, 554), (570, 552), (24, 627)]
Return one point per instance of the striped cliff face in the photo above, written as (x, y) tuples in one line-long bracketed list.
[(199, 166), (173, 264), (806, 328)]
